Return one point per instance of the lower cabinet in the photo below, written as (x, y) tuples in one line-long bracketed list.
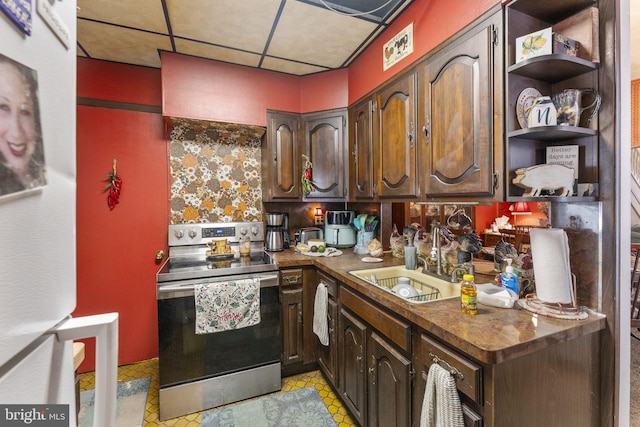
[(375, 370), (328, 355)]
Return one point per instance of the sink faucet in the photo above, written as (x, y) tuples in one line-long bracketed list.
[(466, 268), (436, 254)]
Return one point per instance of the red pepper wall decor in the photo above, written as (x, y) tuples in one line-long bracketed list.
[(307, 183), (114, 186)]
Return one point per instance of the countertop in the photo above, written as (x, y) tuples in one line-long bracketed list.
[(492, 336)]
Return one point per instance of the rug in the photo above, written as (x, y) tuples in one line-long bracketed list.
[(130, 405), (301, 407)]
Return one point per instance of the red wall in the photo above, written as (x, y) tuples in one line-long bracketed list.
[(116, 248), (433, 22), (210, 90)]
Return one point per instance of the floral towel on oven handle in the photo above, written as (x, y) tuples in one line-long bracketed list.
[(224, 306)]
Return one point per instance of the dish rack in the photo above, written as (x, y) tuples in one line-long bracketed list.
[(427, 292)]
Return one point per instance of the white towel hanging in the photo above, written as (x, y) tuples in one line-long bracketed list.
[(320, 327), (441, 404)]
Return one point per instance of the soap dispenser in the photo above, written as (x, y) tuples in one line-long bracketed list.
[(509, 279), (410, 253)]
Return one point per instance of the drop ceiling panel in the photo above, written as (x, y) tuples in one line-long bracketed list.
[(142, 14), (111, 43), (208, 51), (317, 36), (244, 24)]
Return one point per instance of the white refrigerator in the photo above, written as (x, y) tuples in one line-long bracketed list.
[(37, 226)]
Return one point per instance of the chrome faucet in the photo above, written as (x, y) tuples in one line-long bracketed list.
[(466, 268), (436, 254)]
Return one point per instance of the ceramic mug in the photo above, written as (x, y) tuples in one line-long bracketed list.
[(569, 105), (221, 246)]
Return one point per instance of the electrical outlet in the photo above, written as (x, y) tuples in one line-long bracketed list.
[(319, 220)]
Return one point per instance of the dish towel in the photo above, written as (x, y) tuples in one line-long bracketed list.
[(223, 306), (441, 405), (320, 327)]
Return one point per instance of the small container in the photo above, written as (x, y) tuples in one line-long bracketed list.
[(509, 279), (468, 295), (410, 257), (244, 245)]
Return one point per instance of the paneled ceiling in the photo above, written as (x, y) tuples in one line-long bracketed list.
[(297, 37)]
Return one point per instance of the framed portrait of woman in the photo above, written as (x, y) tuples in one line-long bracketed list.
[(22, 164)]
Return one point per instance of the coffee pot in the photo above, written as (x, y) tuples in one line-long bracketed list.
[(570, 105), (277, 238)]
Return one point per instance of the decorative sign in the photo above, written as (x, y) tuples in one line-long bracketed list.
[(53, 20), (533, 44), (566, 155), (19, 11), (400, 46)]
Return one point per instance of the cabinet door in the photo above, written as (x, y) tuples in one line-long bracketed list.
[(389, 385), (281, 162), (352, 366), (325, 147), (292, 325), (361, 171), (458, 132), (328, 355), (394, 139)]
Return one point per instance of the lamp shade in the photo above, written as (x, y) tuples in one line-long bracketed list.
[(318, 212), (520, 208)]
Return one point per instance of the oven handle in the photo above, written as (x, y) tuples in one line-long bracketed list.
[(168, 291)]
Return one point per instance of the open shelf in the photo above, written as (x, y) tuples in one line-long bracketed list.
[(552, 133), (552, 68)]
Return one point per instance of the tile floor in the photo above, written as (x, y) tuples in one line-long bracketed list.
[(150, 368)]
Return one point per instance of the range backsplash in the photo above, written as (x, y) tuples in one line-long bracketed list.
[(215, 171)]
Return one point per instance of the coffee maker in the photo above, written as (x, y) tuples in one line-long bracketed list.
[(338, 229), (277, 238)]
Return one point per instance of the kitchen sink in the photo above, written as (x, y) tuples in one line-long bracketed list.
[(425, 288)]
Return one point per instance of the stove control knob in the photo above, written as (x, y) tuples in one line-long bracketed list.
[(179, 234), (254, 230), (193, 233), (243, 230)]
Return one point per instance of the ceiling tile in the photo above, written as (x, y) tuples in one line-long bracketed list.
[(290, 67), (317, 36), (208, 51), (143, 14), (242, 24), (111, 43)]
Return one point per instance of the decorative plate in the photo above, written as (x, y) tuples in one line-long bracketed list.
[(524, 103)]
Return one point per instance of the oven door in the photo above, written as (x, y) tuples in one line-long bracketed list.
[(185, 356)]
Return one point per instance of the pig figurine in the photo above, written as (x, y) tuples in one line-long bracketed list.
[(545, 177)]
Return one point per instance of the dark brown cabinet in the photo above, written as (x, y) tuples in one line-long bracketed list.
[(328, 355), (291, 296), (361, 168), (460, 115), (389, 384), (325, 145), (321, 137), (281, 158), (394, 139), (375, 368)]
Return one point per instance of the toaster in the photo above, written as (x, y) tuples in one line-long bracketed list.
[(303, 235)]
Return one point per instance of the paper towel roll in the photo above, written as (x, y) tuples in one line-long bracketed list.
[(550, 252)]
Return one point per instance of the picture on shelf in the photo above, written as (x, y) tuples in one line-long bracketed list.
[(588, 189)]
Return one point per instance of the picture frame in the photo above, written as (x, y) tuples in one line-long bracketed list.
[(587, 189), (22, 160)]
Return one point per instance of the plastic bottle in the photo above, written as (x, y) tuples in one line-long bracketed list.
[(509, 279), (468, 295), (410, 256)]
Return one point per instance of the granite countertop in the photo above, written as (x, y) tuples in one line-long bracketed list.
[(492, 336)]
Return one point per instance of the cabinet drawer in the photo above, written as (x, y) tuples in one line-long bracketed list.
[(291, 277), (391, 327), (469, 382)]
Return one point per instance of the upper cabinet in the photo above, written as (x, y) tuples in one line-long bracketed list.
[(460, 115), (361, 170), (325, 146), (281, 158), (319, 136), (394, 139), (550, 73)]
